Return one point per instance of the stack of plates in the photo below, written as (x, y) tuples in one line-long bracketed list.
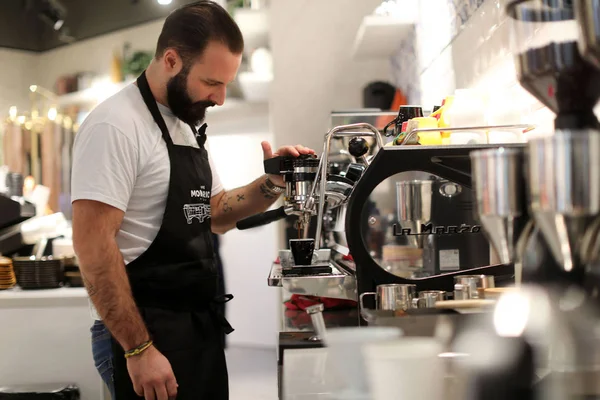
[(7, 274), (38, 273)]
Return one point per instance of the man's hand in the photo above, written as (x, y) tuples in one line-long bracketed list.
[(231, 206), (152, 375), (293, 151)]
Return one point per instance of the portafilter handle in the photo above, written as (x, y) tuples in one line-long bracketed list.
[(316, 315), (262, 219)]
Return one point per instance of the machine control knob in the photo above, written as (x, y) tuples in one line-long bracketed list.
[(358, 147)]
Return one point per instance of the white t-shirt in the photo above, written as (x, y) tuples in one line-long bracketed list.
[(121, 159)]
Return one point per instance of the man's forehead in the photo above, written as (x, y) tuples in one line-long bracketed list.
[(218, 63)]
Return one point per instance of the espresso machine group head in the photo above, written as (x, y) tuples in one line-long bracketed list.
[(313, 188), (299, 176)]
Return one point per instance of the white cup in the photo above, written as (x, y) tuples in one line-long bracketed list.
[(408, 368), (345, 352)]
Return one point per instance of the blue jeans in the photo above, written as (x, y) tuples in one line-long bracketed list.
[(103, 355)]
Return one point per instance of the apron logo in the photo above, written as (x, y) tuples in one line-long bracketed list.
[(200, 211), (203, 194)]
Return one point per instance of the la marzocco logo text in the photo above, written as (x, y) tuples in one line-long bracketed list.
[(203, 194), (429, 229)]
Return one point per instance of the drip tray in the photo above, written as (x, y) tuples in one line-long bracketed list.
[(302, 270), (335, 284)]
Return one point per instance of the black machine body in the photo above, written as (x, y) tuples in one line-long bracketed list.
[(451, 240)]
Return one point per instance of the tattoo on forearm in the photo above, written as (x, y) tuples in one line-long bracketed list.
[(90, 288), (226, 206), (240, 197), (266, 192)]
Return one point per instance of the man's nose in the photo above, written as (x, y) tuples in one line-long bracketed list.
[(218, 97)]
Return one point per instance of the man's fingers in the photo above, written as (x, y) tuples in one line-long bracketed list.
[(138, 390), (267, 151), (161, 392), (288, 151), (304, 150), (293, 151), (172, 388), (149, 392)]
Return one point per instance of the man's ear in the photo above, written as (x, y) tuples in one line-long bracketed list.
[(172, 62)]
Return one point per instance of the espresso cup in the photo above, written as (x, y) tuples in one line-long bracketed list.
[(428, 298), (302, 251)]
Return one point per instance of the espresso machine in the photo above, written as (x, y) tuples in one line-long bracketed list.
[(394, 215)]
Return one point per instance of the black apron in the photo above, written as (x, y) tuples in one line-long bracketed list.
[(175, 281)]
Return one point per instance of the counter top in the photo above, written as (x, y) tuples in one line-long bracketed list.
[(308, 375), (65, 296)]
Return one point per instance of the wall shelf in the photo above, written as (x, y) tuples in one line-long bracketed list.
[(91, 96), (380, 36)]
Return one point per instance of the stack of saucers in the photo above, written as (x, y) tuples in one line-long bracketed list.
[(7, 274)]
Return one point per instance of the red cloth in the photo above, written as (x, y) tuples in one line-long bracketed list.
[(299, 302)]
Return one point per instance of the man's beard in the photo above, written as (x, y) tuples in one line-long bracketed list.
[(181, 104)]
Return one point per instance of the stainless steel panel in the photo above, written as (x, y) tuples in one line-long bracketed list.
[(338, 285)]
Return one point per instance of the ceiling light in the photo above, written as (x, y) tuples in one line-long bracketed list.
[(164, 2), (58, 24), (53, 13)]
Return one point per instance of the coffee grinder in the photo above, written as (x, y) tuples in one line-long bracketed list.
[(542, 212), (540, 206)]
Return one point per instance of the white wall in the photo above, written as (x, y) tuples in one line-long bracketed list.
[(94, 55), (18, 70), (314, 71), (454, 54), (234, 137)]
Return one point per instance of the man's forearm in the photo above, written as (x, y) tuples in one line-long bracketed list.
[(108, 286), (241, 203)]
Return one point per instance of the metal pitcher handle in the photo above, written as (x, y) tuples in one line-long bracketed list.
[(361, 301), (461, 292), (415, 302)]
